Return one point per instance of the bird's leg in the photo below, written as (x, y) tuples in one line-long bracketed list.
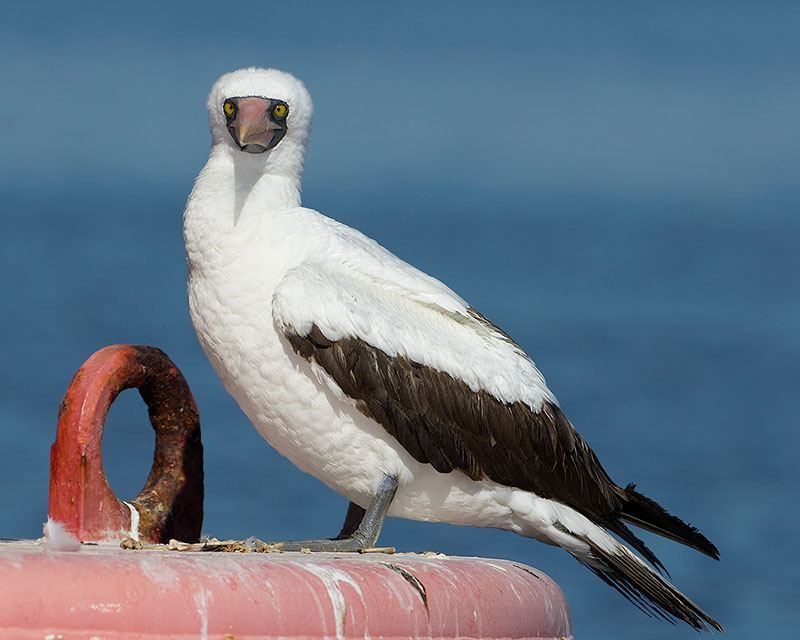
[(355, 515), (361, 527)]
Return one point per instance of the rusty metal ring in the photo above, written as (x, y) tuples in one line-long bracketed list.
[(171, 503)]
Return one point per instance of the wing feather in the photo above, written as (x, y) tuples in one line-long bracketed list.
[(411, 316)]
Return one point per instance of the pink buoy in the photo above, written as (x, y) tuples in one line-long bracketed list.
[(109, 593)]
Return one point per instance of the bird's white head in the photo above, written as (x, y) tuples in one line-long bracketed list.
[(262, 117)]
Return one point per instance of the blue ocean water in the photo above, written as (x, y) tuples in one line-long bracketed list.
[(616, 189)]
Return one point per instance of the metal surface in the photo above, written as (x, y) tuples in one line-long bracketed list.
[(109, 593)]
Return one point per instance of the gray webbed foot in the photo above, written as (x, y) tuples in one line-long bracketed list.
[(361, 526)]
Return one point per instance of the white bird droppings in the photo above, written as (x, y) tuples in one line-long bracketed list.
[(134, 531)]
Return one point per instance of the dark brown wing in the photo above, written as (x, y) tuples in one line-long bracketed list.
[(439, 420)]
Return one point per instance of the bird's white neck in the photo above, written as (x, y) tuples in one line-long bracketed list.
[(256, 185), (270, 192), (257, 176), (233, 192)]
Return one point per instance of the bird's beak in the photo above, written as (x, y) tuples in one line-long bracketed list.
[(252, 127)]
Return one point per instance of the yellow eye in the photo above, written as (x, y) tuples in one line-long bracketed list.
[(229, 108), (279, 110)]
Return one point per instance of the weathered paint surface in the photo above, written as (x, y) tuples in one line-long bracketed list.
[(105, 592)]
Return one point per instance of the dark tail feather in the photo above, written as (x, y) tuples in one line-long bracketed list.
[(641, 511), (646, 589), (615, 526)]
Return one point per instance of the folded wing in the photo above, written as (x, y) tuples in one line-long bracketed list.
[(454, 390)]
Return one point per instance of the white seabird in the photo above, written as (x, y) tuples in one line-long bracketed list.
[(379, 380)]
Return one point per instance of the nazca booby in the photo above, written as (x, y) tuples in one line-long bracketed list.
[(378, 379)]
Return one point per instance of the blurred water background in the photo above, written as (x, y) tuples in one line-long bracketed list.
[(614, 184)]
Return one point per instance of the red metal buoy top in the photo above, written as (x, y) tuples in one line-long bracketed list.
[(106, 592)]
